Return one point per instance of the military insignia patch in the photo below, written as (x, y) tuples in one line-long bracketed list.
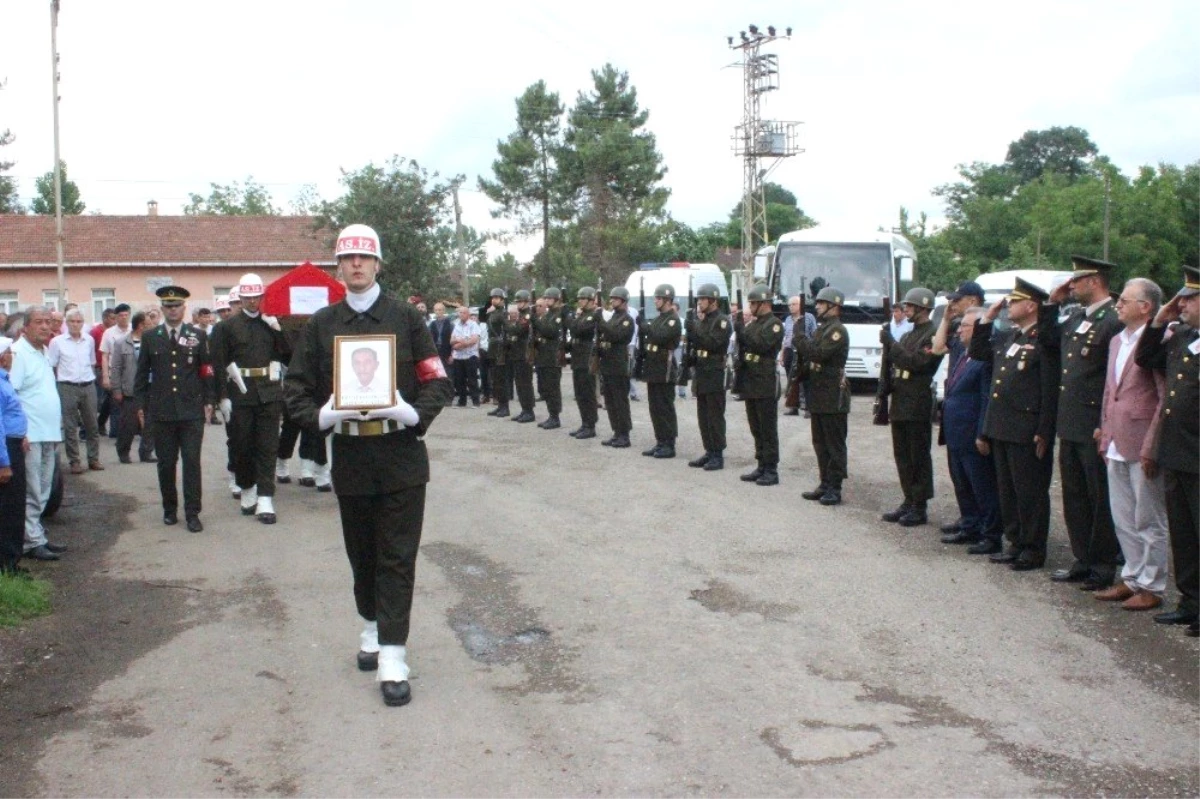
[(776, 329), (670, 323), (836, 336), (723, 323), (625, 323)]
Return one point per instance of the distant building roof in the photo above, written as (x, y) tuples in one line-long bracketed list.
[(138, 241)]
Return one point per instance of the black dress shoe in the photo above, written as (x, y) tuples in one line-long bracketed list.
[(832, 496), (665, 451), (502, 411), (367, 661), (266, 518), (620, 442), (986, 546), (715, 464), (57, 549), (194, 525), (769, 477), (524, 417), (816, 493), (124, 459), (307, 482), (169, 517), (752, 477), (553, 423), (1005, 556), (247, 511), (792, 412), (961, 537), (284, 479), (1076, 574), (150, 459), (40, 553), (915, 517), (698, 463), (952, 528), (1176, 616), (1193, 630), (898, 514), (395, 694), (1092, 583), (325, 488), (1026, 564), (586, 432)]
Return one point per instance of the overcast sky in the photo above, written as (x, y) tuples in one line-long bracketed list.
[(160, 99)]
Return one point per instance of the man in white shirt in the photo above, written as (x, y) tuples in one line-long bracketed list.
[(464, 357), (73, 357), (33, 379)]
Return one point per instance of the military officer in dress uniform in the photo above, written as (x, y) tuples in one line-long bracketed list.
[(708, 337), (518, 333), (1018, 428), (380, 463), (497, 320), (1177, 350), (1083, 341), (659, 371), (175, 379), (549, 329), (248, 351), (612, 338), (913, 367), (822, 362), (758, 347), (583, 334)]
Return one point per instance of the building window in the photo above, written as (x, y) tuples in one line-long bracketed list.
[(50, 299), (220, 291), (101, 299), (8, 302)]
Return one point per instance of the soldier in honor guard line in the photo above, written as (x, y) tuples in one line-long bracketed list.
[(662, 337), (549, 328), (913, 367), (248, 350), (708, 336), (1082, 341), (518, 333), (1018, 428), (758, 347), (612, 338), (822, 361), (175, 379), (583, 335), (496, 320)]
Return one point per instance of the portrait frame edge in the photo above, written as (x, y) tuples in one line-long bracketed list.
[(341, 361)]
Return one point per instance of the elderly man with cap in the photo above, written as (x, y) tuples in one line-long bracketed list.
[(1176, 350), (175, 380), (1018, 428), (1083, 342), (13, 427), (380, 463), (248, 350)]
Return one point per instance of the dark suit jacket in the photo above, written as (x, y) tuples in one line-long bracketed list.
[(441, 331), (965, 406)]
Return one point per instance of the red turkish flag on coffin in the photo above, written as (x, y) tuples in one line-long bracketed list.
[(301, 292)]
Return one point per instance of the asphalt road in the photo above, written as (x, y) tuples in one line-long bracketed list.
[(588, 622)]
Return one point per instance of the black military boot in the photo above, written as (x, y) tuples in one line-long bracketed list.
[(697, 463), (716, 463), (576, 431), (897, 514), (501, 411), (621, 441), (649, 453), (816, 493), (832, 496), (769, 477), (524, 417), (608, 442), (551, 424), (586, 432), (666, 450), (915, 517), (751, 477)]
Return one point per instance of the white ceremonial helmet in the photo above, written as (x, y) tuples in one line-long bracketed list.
[(250, 285), (360, 240)]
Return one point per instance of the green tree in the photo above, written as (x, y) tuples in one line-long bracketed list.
[(1058, 151), (782, 211), (410, 209), (236, 199), (527, 185), (503, 271), (44, 202), (9, 203)]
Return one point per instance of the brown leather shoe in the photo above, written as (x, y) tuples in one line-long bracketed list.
[(1142, 600), (1117, 593), (96, 466), (77, 469)]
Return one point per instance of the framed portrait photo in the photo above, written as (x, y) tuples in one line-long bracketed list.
[(364, 372)]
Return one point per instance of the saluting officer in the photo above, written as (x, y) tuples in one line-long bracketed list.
[(1083, 340), (913, 367), (708, 338), (613, 337), (822, 362), (518, 333), (248, 350), (583, 335), (549, 328), (658, 370), (1177, 350), (174, 379), (496, 320), (758, 347), (1019, 426)]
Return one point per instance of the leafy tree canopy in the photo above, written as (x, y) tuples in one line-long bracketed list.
[(248, 199), (43, 203)]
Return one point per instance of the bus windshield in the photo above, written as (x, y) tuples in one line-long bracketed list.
[(859, 271)]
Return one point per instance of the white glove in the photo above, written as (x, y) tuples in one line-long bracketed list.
[(235, 375), (272, 322), (328, 417), (226, 408), (401, 412)]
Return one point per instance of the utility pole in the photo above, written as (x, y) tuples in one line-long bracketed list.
[(58, 226), (760, 143), (460, 247)]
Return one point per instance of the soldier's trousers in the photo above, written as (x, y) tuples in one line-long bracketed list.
[(710, 413), (382, 533), (616, 404), (550, 388), (171, 440), (129, 426), (661, 398), (312, 443), (585, 396), (1023, 483), (911, 442), (1086, 511), (829, 444), (523, 377), (499, 382), (763, 417), (1183, 520), (254, 444)]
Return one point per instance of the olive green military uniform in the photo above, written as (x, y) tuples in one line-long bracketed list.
[(498, 358), (758, 347), (822, 362), (548, 330), (709, 342), (613, 340), (913, 367), (583, 335), (517, 355), (659, 371)]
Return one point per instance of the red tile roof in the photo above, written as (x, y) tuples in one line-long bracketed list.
[(28, 241)]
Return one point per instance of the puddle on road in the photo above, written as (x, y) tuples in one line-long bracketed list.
[(721, 597)]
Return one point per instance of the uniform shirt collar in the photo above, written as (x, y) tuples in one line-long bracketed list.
[(1095, 306)]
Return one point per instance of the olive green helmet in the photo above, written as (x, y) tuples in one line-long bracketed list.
[(709, 291), (831, 295), (664, 291), (760, 293), (585, 293), (920, 297), (552, 293), (499, 293), (619, 293), (522, 296)]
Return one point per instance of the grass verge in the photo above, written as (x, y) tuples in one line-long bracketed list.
[(22, 597)]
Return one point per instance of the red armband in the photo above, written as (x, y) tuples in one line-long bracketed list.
[(206, 370), (430, 369)]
